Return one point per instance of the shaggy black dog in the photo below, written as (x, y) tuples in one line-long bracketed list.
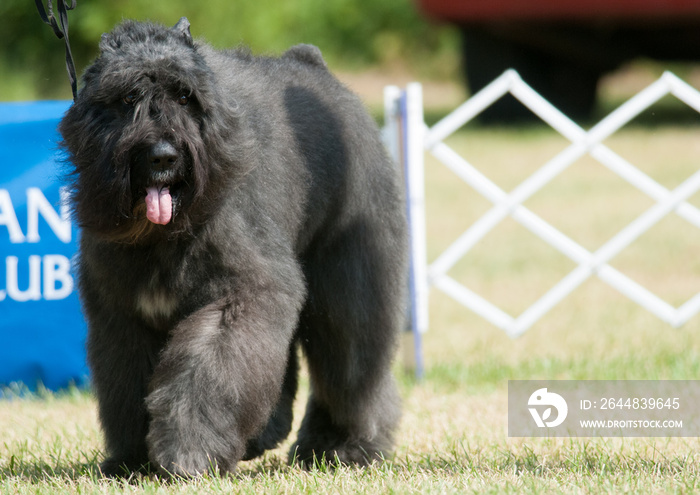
[(233, 209)]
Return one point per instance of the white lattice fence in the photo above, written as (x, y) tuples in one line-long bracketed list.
[(408, 138)]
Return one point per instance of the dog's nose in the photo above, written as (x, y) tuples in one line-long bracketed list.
[(162, 155)]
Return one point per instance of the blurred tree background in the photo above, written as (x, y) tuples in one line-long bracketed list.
[(354, 35)]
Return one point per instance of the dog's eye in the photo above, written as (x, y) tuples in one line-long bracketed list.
[(183, 100), (129, 100)]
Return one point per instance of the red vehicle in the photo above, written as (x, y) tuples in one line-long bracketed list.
[(562, 47)]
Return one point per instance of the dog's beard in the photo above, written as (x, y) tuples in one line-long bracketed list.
[(150, 213), (130, 230)]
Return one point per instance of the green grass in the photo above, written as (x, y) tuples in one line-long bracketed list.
[(453, 438)]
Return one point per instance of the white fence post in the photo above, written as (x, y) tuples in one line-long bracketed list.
[(415, 180)]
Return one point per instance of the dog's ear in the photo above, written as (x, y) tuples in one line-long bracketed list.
[(309, 54), (183, 29)]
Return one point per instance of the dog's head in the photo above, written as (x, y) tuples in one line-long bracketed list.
[(144, 133)]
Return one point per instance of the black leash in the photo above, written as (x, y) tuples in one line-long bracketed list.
[(61, 32)]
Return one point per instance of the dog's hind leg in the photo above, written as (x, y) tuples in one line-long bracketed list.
[(348, 332)]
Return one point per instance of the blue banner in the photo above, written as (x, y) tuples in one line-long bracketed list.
[(42, 331)]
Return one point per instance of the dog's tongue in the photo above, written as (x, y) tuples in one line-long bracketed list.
[(159, 205)]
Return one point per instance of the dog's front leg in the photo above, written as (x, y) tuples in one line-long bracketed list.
[(122, 354), (218, 381)]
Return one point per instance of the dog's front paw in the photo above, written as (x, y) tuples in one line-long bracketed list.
[(176, 462), (188, 449), (173, 453)]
